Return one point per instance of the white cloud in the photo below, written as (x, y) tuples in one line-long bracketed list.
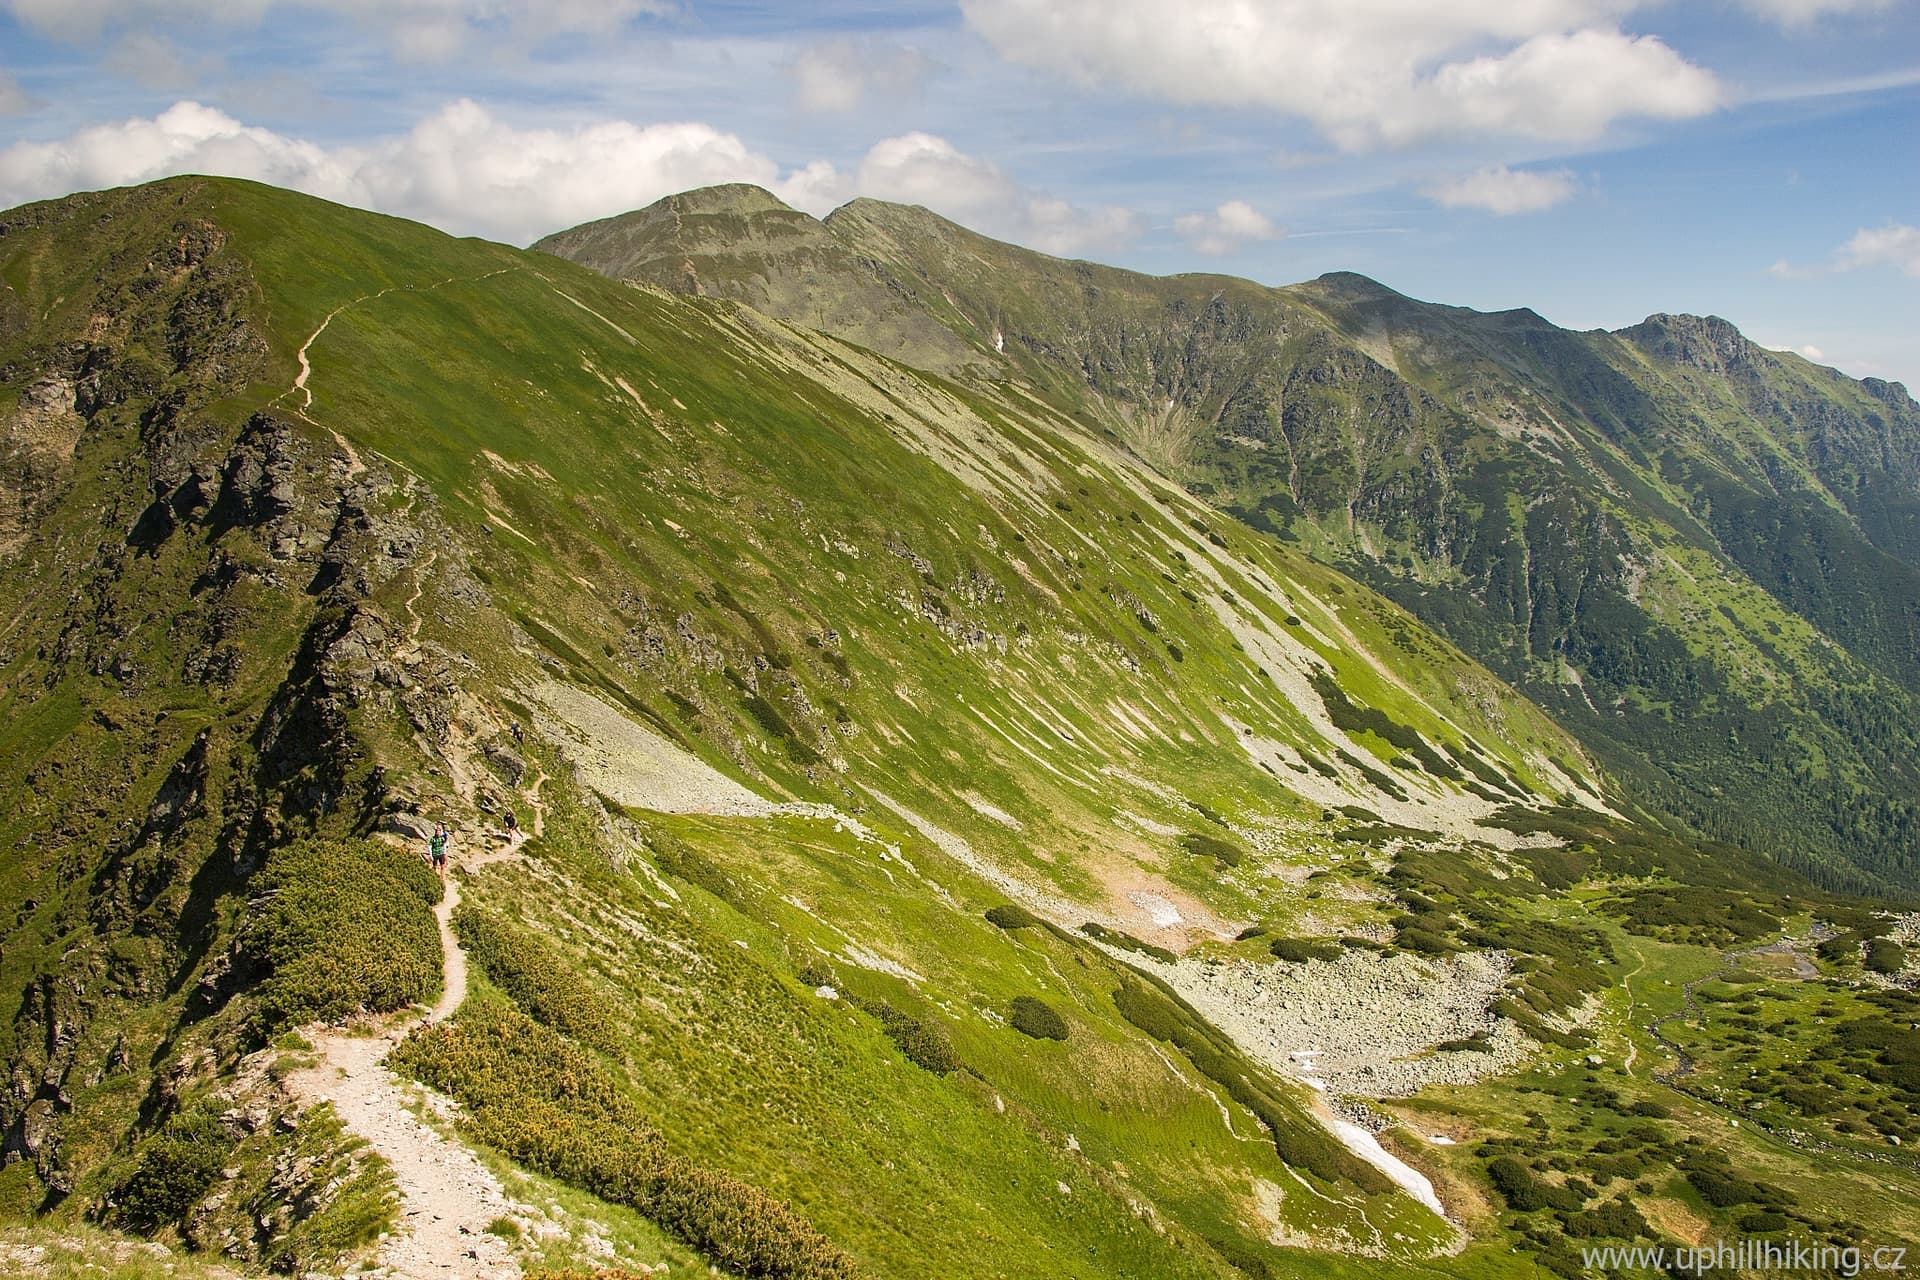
[(462, 168), (840, 73), (1226, 229), (1372, 74), (1894, 245), (185, 138), (428, 29), (1797, 13), (465, 170), (1503, 191), (920, 168)]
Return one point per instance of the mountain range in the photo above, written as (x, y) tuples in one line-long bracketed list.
[(956, 761), (1698, 555)]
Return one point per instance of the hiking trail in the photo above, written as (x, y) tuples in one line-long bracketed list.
[(447, 1196)]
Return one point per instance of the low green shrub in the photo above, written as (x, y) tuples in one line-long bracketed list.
[(1301, 950), (1036, 1018), (338, 927), (922, 1041), (1127, 942), (1469, 1044), (1721, 1189), (545, 986), (1617, 1219), (1225, 852), (1524, 1192), (545, 1103), (1886, 956), (1011, 916), (171, 1172)]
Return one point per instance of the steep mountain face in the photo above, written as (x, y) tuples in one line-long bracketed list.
[(1699, 556), (938, 842)]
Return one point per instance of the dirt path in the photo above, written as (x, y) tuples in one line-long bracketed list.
[(306, 363), (447, 1197)]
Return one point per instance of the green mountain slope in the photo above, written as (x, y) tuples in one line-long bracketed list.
[(945, 845), (1698, 556)]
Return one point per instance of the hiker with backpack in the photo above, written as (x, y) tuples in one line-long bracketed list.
[(437, 849)]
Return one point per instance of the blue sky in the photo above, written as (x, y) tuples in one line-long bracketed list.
[(1597, 160)]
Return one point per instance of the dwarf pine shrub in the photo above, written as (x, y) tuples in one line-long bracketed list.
[(1300, 950), (1038, 1019), (339, 927), (544, 985), (546, 1103), (173, 1170), (1011, 916)]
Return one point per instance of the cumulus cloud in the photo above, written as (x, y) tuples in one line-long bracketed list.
[(461, 168), (427, 29), (1894, 245), (841, 73), (1504, 192), (185, 138), (920, 168), (1384, 73), (466, 170), (1226, 229)]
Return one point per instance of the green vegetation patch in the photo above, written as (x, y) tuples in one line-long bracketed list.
[(1126, 942), (1885, 956), (1301, 950), (1035, 1017), (545, 1103), (341, 927), (543, 984), (1297, 1139), (1011, 916), (1225, 852)]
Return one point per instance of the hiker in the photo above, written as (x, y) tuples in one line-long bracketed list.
[(437, 849), (513, 824), (517, 735)]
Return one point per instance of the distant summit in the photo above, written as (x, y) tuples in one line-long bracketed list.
[(742, 242)]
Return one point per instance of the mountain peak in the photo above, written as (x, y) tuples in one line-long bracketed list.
[(1701, 342), (728, 197)]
